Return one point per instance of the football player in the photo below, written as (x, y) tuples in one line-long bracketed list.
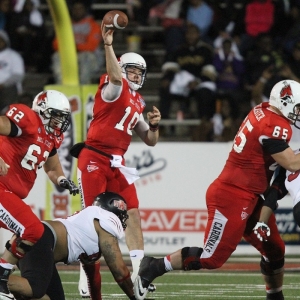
[(84, 236), (233, 201), (29, 139), (117, 112)]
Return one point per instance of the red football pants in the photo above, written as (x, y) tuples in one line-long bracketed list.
[(232, 214), (95, 176), (17, 216)]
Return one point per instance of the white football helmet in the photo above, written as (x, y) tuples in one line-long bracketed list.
[(54, 109), (285, 95), (132, 59)]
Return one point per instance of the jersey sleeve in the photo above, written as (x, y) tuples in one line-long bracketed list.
[(24, 117), (103, 80), (111, 223), (277, 128)]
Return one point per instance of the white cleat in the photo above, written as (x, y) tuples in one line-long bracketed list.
[(140, 291)]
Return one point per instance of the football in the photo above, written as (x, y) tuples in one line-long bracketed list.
[(115, 19)]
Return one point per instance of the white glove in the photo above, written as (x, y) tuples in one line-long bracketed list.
[(262, 231)]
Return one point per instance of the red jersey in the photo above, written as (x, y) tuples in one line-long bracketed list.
[(26, 152), (248, 166), (111, 127)]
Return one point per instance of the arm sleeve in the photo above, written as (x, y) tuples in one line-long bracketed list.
[(111, 92), (141, 127), (273, 146), (14, 129), (277, 190), (53, 152)]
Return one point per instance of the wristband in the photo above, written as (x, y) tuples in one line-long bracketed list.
[(153, 128), (107, 44), (60, 178)]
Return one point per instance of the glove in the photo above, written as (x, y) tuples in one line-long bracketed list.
[(262, 231), (69, 185)]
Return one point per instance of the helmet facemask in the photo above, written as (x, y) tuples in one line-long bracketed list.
[(58, 121), (134, 85), (295, 116), (123, 216)]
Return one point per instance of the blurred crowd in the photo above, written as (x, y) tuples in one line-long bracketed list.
[(222, 56), (29, 45)]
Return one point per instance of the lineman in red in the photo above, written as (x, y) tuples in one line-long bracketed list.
[(233, 199), (29, 139), (118, 110)]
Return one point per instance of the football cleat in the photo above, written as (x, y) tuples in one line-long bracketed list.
[(140, 288)]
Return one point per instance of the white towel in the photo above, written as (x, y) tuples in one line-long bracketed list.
[(131, 174)]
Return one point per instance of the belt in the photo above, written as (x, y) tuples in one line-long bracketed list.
[(98, 151)]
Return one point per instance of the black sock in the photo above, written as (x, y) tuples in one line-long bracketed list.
[(275, 296)]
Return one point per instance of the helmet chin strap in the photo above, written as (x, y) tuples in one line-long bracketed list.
[(134, 86)]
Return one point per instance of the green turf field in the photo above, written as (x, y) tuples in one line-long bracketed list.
[(193, 285)]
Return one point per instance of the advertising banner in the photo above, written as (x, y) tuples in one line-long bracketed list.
[(287, 227)]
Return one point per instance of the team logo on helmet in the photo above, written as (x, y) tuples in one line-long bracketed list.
[(41, 100), (120, 204), (286, 93)]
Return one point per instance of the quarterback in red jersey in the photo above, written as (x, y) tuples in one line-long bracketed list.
[(29, 139), (233, 199), (117, 112)]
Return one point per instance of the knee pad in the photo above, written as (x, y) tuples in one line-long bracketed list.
[(271, 268), (191, 258), (296, 212), (17, 243)]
